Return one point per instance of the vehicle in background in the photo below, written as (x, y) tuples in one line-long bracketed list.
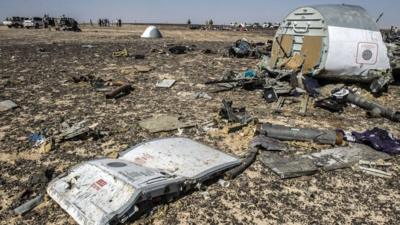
[(276, 25), (35, 22), (256, 25), (49, 21), (266, 25), (14, 21), (69, 24)]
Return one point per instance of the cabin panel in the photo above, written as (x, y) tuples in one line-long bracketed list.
[(311, 51), (282, 45)]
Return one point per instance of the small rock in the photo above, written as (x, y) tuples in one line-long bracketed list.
[(224, 183), (205, 195), (7, 105), (45, 147), (87, 46), (202, 95), (41, 177), (165, 83), (143, 68), (139, 56)]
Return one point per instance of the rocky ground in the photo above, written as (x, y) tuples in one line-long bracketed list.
[(36, 70)]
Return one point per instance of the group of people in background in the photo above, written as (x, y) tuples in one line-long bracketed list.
[(106, 22)]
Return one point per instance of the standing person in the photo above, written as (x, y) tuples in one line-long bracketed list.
[(119, 23), (46, 21), (91, 22)]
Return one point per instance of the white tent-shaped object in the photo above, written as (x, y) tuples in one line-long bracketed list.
[(152, 32), (338, 41)]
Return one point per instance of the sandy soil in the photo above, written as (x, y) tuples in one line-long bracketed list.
[(36, 70)]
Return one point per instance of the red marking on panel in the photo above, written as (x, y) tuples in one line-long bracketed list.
[(94, 185), (101, 182), (98, 184)]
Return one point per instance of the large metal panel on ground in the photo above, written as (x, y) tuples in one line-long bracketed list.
[(180, 156), (101, 191), (109, 191)]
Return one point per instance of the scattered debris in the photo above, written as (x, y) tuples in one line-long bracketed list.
[(205, 194), (165, 83), (300, 134), (270, 95), (121, 53), (288, 167), (163, 123), (120, 91), (236, 115), (249, 73), (207, 51), (232, 81), (223, 183), (88, 46), (330, 104), (308, 51), (178, 49), (304, 104), (328, 159), (344, 157), (138, 56), (41, 177), (29, 205), (37, 139), (375, 172), (7, 105), (267, 143), (381, 84), (233, 128), (143, 68), (244, 49), (374, 109), (41, 50), (312, 87), (285, 100), (374, 163), (46, 146), (245, 163), (202, 94), (80, 130)]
